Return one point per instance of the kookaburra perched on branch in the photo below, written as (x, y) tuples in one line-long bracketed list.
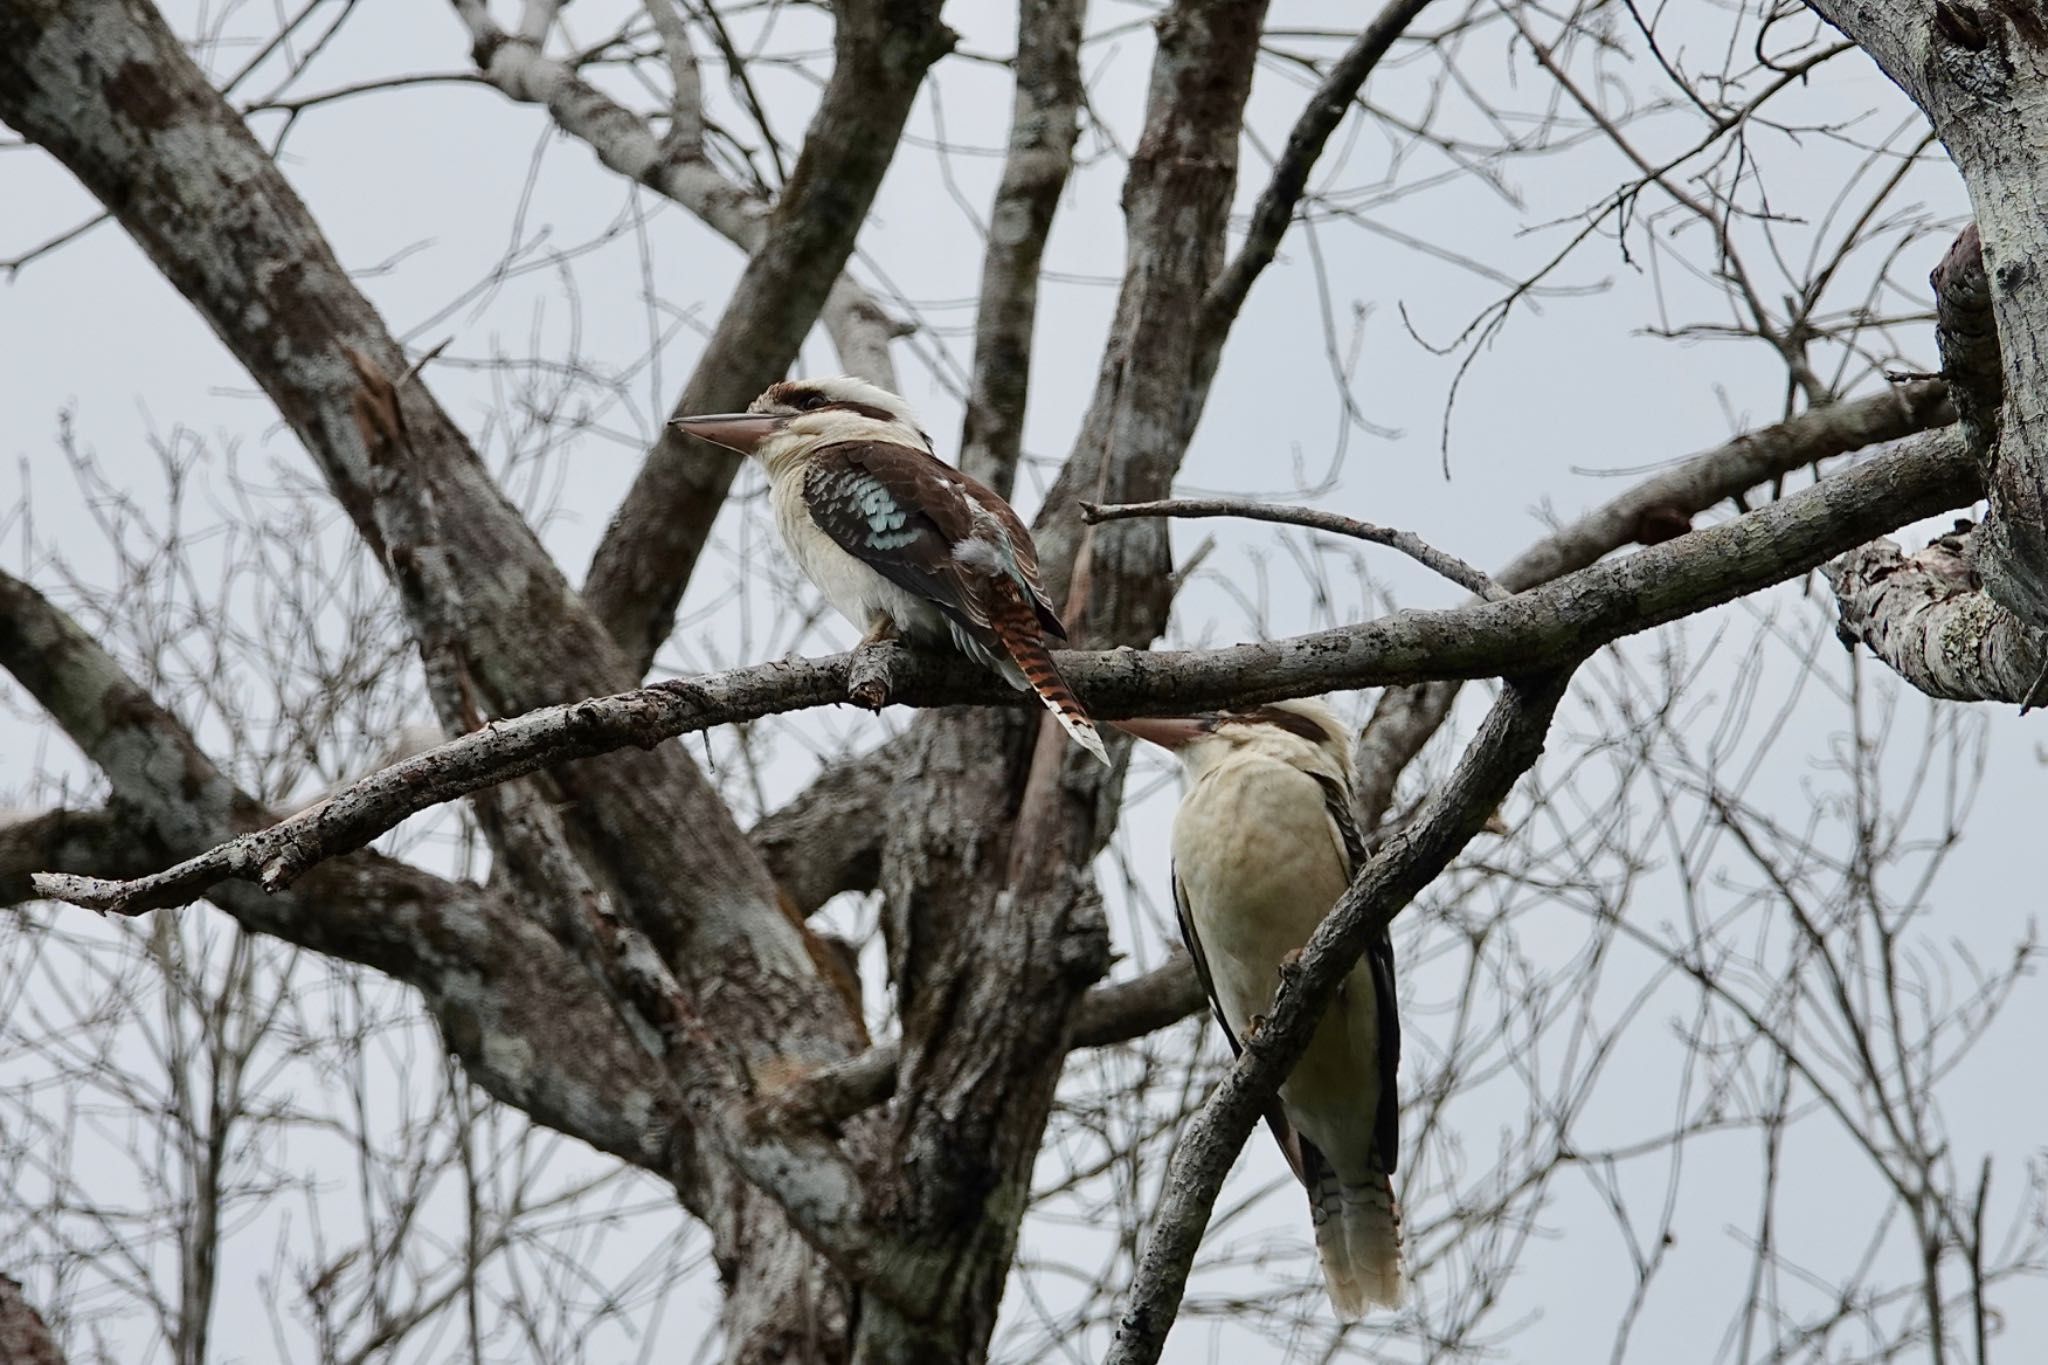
[(899, 542), (1263, 845)]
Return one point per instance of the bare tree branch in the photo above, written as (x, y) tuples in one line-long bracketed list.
[(1045, 122), (1928, 618), (109, 91), (1115, 1012), (1523, 633), (1658, 508), (1274, 213), (530, 1030), (674, 165), (1507, 745), (881, 51), (1407, 542), (816, 853)]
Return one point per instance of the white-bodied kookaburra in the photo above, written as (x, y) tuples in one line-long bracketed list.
[(899, 542), (1263, 845)]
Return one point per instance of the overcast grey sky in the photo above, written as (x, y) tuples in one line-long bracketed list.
[(426, 190)]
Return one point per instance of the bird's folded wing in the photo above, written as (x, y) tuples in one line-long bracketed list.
[(925, 527), (1379, 956)]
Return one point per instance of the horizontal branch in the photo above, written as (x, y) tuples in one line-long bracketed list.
[(816, 852), (1439, 562), (1507, 745), (1528, 632)]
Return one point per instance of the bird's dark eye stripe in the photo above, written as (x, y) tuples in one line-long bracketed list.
[(1289, 721), (848, 405)]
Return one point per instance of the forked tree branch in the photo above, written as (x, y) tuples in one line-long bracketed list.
[(526, 1025), (1275, 210), (1115, 1012), (1507, 745), (1528, 632)]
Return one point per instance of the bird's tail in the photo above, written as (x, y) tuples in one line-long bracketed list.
[(1358, 1236), (1028, 666)]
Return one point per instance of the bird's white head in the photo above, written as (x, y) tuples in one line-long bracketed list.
[(797, 416), (1304, 733)]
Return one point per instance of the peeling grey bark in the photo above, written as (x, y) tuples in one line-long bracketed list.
[(1928, 617), (1979, 71)]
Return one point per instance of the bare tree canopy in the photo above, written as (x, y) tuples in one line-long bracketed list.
[(529, 931)]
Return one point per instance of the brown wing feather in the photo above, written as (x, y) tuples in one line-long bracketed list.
[(904, 512), (1379, 956)]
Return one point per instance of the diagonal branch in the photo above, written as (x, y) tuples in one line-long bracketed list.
[(1528, 632), (1112, 1013), (1506, 746), (528, 1029), (673, 166), (1274, 212)]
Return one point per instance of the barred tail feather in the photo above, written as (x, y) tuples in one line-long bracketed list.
[(1029, 666), (1358, 1237)]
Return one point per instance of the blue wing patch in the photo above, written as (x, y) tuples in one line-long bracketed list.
[(885, 519)]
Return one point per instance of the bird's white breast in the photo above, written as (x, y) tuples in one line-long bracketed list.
[(1260, 864), (856, 591)]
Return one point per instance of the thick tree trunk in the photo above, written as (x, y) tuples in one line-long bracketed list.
[(105, 87), (1980, 73)]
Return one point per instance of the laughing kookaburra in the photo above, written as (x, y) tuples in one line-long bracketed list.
[(1263, 845), (900, 543)]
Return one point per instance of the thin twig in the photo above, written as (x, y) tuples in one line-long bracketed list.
[(1407, 542)]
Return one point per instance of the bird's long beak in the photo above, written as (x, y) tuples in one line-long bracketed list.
[(1168, 732), (741, 431)]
